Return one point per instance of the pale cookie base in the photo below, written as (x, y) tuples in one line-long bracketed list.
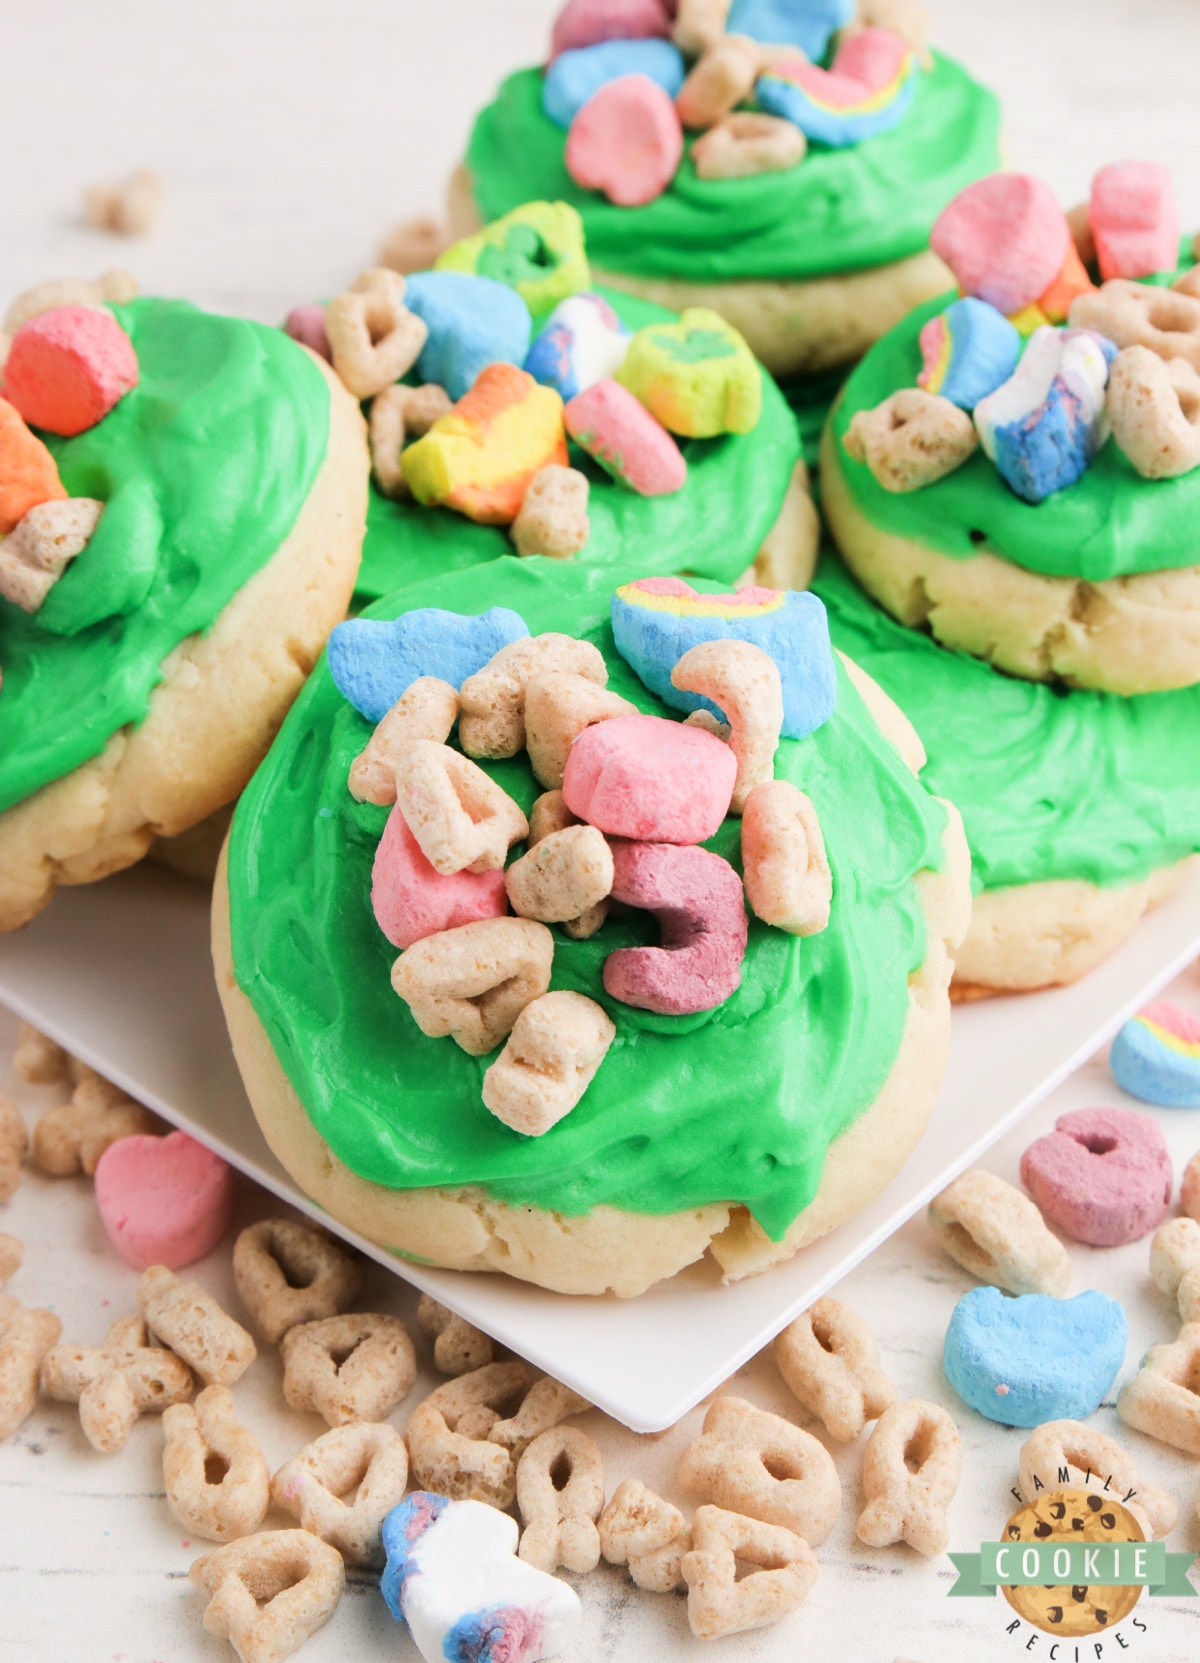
[(608, 1250), (1138, 634), (791, 328), (194, 853), (220, 703)]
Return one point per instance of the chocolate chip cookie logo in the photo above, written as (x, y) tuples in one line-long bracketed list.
[(1073, 1563)]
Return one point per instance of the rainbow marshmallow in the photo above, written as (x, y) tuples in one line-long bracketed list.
[(1156, 1057), (656, 619), (867, 91), (970, 349)]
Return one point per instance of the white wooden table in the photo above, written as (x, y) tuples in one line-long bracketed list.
[(291, 137)]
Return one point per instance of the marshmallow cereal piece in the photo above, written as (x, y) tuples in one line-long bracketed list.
[(697, 898), (746, 143), (71, 1138), (641, 1530), (913, 438), (458, 814), (373, 336), (214, 1473), (1005, 239), (809, 25), (67, 368), (374, 661), (718, 1601), (458, 1348), (558, 707), (969, 350), (189, 1320), (28, 474), (648, 778), (561, 876), (492, 723), (626, 141), (911, 1468), (343, 1485), (866, 90), (761, 1465), (743, 682), (830, 1363), (481, 457), (288, 1273), (618, 432), (1156, 1056), (552, 519), (552, 1055), (306, 324), (1060, 1444), (448, 1434), (697, 376), (474, 981), (14, 1141), (473, 323), (997, 1233), (1154, 407), (115, 1383), (454, 1577), (352, 1367), (578, 74), (117, 286), (1175, 1264), (560, 1494), (399, 413), (1043, 426), (1103, 1176), (537, 249), (25, 1338), (582, 341), (412, 900), (36, 553), (163, 1200), (269, 1593), (588, 22), (1167, 321), (785, 870), (1162, 1400), (427, 709), (1134, 220)]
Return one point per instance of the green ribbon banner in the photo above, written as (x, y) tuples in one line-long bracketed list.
[(1057, 1563)]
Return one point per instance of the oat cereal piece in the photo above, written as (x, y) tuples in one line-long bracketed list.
[(217, 1482), (1189, 1189), (71, 1138), (373, 336), (699, 25), (12, 1255), (911, 1467), (9, 1306), (785, 867), (639, 1529), (492, 723), (25, 1338), (269, 1593), (830, 1363), (14, 1142), (472, 982), (710, 723), (996, 1233), (37, 1060), (560, 1493), (189, 1320), (744, 682), (760, 1464), (115, 1383), (746, 143), (546, 1403), (721, 1603), (427, 710), (38, 550), (553, 519), (415, 244), (461, 818), (912, 439), (1167, 321), (354, 1367), (131, 207), (116, 285), (557, 709), (1154, 407), (553, 1053), (720, 79), (288, 1273), (1188, 282), (458, 1348), (561, 876), (1163, 1398), (1084, 1453), (1175, 1264), (399, 413), (550, 814), (343, 1485), (449, 1443)]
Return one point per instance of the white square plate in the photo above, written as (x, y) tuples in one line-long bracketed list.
[(119, 972)]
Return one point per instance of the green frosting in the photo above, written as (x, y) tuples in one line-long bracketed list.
[(202, 468), (739, 1103), (1109, 523), (836, 211), (1051, 782), (714, 526)]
